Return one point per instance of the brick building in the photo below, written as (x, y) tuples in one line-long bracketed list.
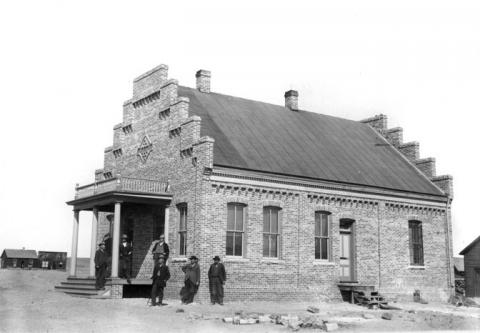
[(297, 204)]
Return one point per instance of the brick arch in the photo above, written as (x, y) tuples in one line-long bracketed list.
[(272, 203), (234, 199)]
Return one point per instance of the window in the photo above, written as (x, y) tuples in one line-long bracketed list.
[(182, 230), (322, 232), (235, 229), (271, 232), (416, 242)]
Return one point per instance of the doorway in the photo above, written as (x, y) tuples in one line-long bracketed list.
[(347, 262)]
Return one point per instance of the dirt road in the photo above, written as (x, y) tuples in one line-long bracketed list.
[(28, 303)]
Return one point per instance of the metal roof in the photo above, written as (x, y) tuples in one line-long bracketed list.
[(469, 246), (271, 138), (20, 254)]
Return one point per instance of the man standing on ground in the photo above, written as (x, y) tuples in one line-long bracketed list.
[(125, 258), (101, 262), (192, 280), (216, 279), (161, 274), (160, 248)]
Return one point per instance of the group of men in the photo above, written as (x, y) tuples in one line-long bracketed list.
[(161, 272), (102, 257)]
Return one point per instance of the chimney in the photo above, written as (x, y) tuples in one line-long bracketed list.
[(203, 80), (291, 100)]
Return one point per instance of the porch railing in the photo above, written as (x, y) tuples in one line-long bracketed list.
[(123, 184)]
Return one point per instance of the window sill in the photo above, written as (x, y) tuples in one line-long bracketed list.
[(236, 259), (323, 263), (417, 267), (179, 259), (273, 261)]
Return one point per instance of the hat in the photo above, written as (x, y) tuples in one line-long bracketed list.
[(216, 258), (124, 236), (101, 243), (193, 257)]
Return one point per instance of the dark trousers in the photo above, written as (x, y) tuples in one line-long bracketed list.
[(216, 290), (100, 274), (125, 264), (189, 291), (157, 291)]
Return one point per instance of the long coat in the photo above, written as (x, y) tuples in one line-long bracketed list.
[(101, 259), (160, 275), (125, 251), (192, 273), (221, 272)]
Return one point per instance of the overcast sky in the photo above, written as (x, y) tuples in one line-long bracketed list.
[(66, 67)]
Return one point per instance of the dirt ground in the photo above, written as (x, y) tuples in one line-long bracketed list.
[(28, 303)]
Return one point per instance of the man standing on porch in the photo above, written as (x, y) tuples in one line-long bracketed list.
[(101, 262), (160, 248), (125, 258)]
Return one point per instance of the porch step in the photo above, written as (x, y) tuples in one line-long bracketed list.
[(81, 287)]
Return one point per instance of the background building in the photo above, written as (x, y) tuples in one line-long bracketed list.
[(12, 258)]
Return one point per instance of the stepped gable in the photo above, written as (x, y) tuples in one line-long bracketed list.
[(271, 138)]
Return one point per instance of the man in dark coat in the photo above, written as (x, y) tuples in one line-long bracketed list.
[(160, 248), (125, 253), (160, 275), (101, 263), (216, 279), (192, 280)]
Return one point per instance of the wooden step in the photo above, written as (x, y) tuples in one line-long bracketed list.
[(78, 291)]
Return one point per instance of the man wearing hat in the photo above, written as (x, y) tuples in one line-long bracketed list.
[(101, 263), (125, 253), (216, 279), (192, 280), (160, 275)]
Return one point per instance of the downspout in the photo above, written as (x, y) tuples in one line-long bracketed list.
[(298, 242), (447, 236), (378, 246)]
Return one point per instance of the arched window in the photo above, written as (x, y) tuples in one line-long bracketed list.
[(322, 235), (416, 242), (271, 231), (235, 229)]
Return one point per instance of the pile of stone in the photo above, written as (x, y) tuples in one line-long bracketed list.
[(293, 322)]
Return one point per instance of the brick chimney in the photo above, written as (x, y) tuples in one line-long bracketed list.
[(291, 100), (203, 80)]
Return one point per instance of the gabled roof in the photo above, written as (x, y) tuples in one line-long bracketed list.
[(20, 254), (270, 138), (469, 246)]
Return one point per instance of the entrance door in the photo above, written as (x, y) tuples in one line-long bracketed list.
[(346, 250)]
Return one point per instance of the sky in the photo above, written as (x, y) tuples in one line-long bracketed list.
[(67, 66)]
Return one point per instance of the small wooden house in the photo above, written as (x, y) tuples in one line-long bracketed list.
[(12, 258)]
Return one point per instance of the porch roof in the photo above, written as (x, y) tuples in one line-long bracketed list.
[(121, 189)]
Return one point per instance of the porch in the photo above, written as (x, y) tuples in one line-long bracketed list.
[(116, 196)]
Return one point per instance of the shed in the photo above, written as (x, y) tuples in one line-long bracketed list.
[(13, 258), (471, 256)]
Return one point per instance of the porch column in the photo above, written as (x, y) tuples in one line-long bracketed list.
[(165, 224), (73, 255), (93, 246), (116, 239)]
